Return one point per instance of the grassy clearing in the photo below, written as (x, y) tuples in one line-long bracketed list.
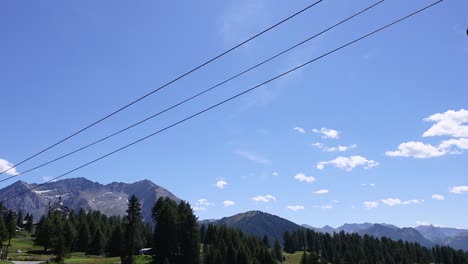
[(97, 260), (21, 248), (294, 258)]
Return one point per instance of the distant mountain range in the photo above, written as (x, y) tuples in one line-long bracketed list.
[(111, 199), (259, 224), (76, 193)]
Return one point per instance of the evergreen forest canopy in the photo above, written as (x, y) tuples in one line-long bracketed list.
[(175, 237)]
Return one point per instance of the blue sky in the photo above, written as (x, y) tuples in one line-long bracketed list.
[(374, 133)]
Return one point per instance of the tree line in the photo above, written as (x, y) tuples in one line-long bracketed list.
[(174, 236), (352, 248), (11, 221)]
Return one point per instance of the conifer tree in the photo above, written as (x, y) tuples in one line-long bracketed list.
[(277, 251), (114, 245), (133, 231), (3, 231)]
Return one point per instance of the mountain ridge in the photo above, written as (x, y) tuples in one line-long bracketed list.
[(77, 193)]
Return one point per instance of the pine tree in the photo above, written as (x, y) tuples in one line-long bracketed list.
[(43, 234), (19, 219), (97, 243), (266, 242), (133, 231), (83, 236), (277, 251), (29, 223), (3, 231), (10, 222), (164, 214), (114, 245), (70, 235), (188, 233), (57, 237)]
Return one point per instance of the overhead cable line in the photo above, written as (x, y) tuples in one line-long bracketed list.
[(229, 99), (164, 85), (194, 96)]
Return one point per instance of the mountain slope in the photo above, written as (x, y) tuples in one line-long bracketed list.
[(405, 234), (259, 224), (459, 242), (77, 193)]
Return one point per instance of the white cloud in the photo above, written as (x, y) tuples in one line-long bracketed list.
[(422, 223), (5, 165), (253, 157), (300, 130), (333, 149), (275, 174), (220, 184), (416, 150), (348, 164), (303, 178), (323, 191), (264, 198), (449, 145), (449, 123), (371, 204), (438, 197), (198, 208), (201, 204), (327, 206), (396, 201), (368, 184), (228, 203), (414, 201), (327, 133), (295, 208), (335, 201), (422, 151), (459, 189)]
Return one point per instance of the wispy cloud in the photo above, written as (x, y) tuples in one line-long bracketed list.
[(264, 198), (255, 157), (450, 123), (396, 201), (228, 203), (325, 206), (5, 165), (201, 204), (438, 197), (274, 173), (348, 163), (220, 184), (303, 178), (295, 208), (323, 191), (333, 149), (371, 204), (459, 189), (241, 19), (300, 130), (327, 133)]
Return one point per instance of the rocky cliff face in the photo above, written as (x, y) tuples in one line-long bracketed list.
[(77, 193)]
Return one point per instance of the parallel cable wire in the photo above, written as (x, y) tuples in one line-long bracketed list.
[(164, 85), (196, 95), (229, 99)]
